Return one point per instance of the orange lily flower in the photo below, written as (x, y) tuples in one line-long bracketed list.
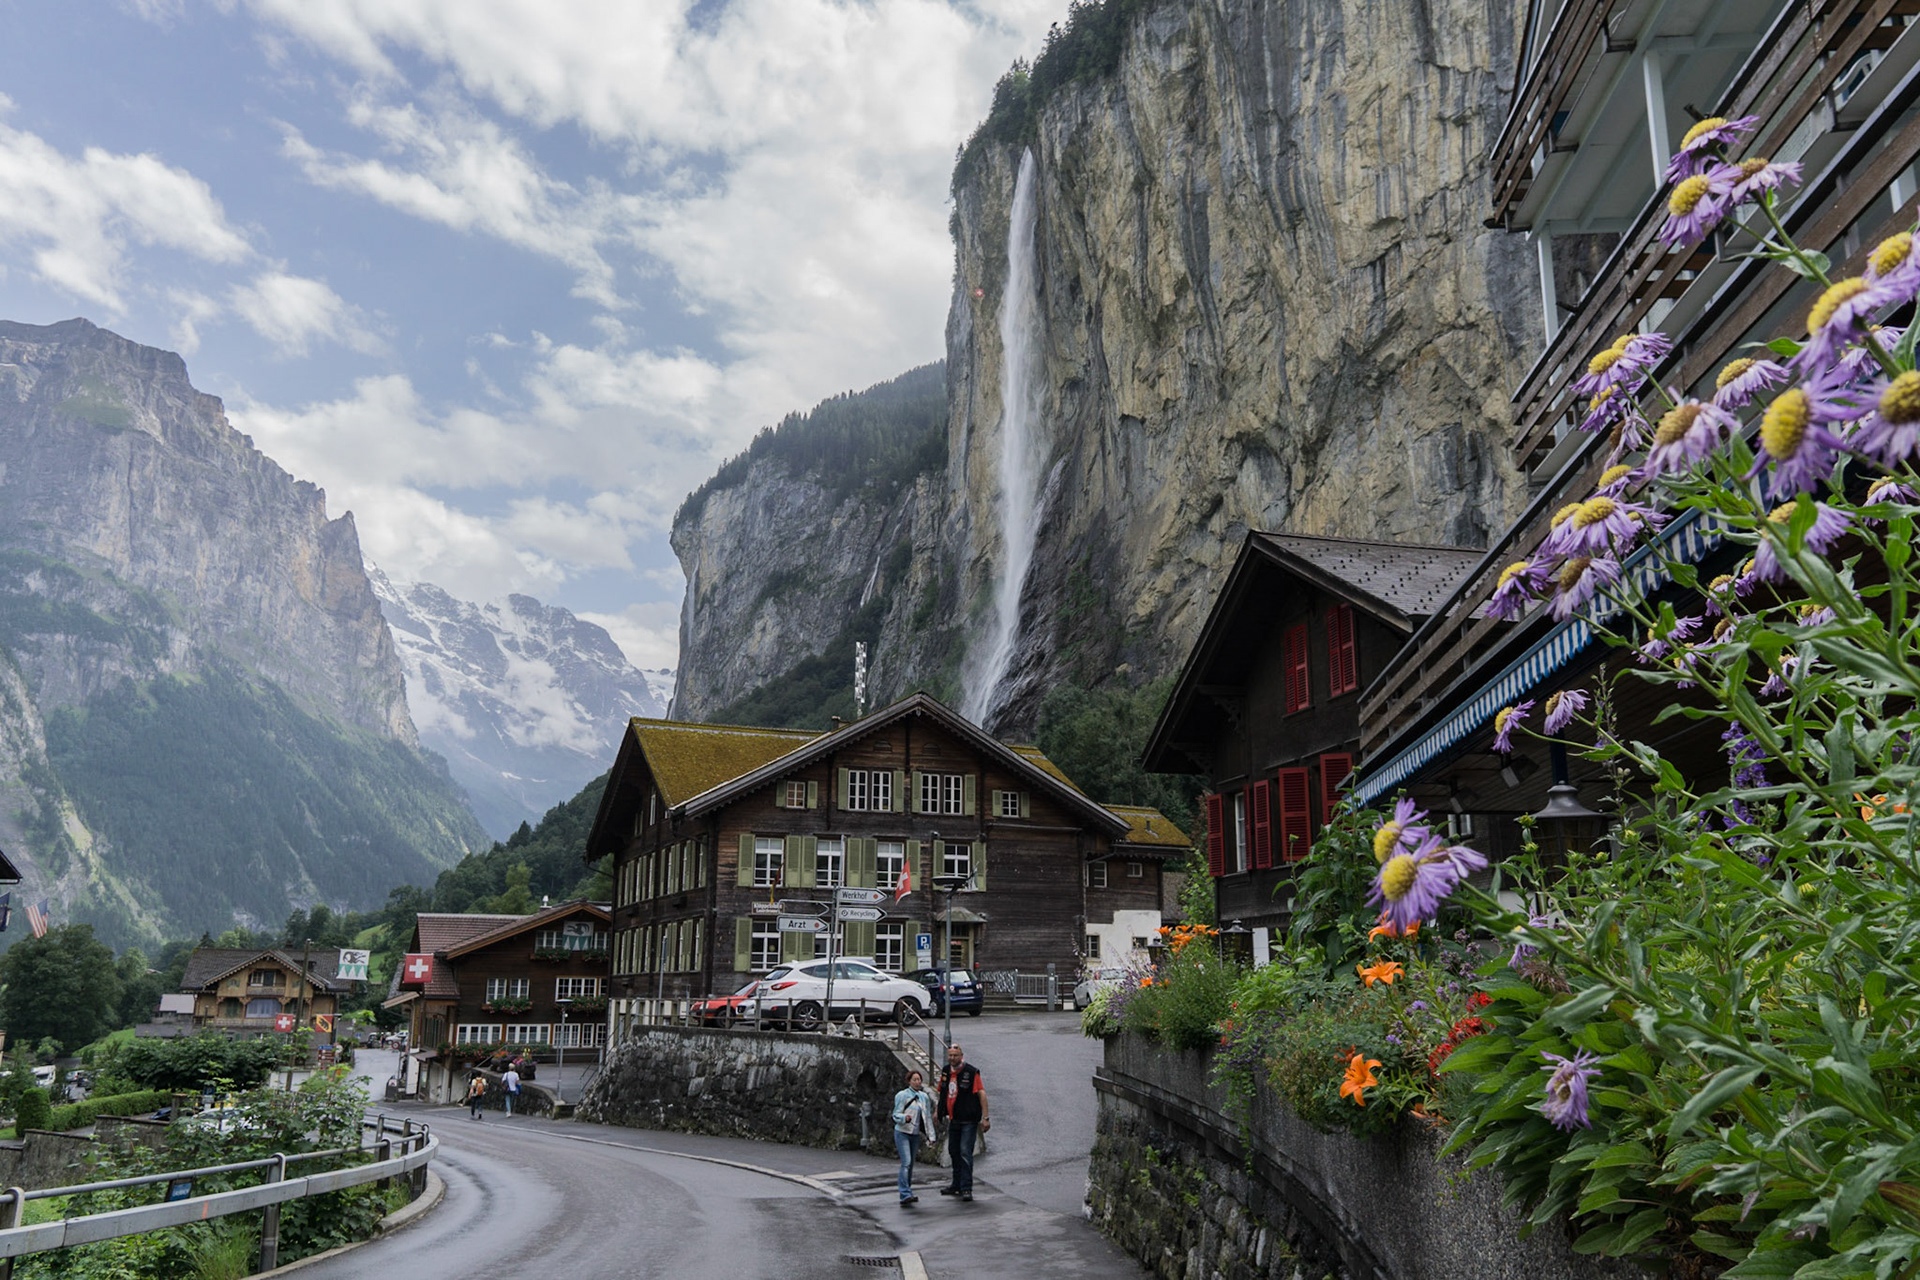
[(1385, 929), (1385, 971), (1876, 807), (1359, 1079)]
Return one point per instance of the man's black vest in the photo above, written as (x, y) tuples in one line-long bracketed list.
[(966, 1103)]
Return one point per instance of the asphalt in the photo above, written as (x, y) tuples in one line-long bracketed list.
[(527, 1194)]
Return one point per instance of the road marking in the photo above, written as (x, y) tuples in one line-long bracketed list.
[(911, 1267)]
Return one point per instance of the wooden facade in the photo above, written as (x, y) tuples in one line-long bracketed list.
[(243, 992), (1267, 707), (712, 826)]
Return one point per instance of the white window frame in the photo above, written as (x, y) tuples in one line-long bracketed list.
[(796, 795), (941, 793), (575, 988), (890, 946), (870, 790), (1096, 875), (857, 798), (520, 989), (889, 860), (477, 1033), (1136, 870), (1009, 804), (1093, 946), (769, 861), (266, 979), (1240, 831), (763, 945), (580, 1035), (829, 862), (526, 1033), (956, 858)]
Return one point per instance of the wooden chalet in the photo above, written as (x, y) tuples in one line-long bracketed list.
[(711, 826), (1267, 706), (243, 992), (498, 980)]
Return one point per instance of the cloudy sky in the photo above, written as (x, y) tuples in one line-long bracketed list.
[(505, 277)]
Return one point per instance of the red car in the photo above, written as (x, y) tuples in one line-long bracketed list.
[(725, 1011)]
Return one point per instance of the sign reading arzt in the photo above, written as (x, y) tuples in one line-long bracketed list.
[(801, 924)]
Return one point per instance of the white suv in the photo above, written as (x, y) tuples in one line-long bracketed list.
[(799, 991)]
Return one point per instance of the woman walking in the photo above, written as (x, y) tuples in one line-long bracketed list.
[(912, 1125), (476, 1094)]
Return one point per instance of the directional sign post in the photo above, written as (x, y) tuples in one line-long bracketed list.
[(859, 897), (860, 913), (803, 907), (801, 924)]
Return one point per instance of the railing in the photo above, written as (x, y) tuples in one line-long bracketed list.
[(416, 1146)]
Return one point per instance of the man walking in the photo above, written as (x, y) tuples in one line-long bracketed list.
[(963, 1101), (476, 1094), (511, 1082)]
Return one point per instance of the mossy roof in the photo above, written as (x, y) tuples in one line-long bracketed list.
[(1035, 756), (1150, 826), (687, 759)]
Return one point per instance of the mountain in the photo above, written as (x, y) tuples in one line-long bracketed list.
[(206, 721), (1252, 289), (525, 701)]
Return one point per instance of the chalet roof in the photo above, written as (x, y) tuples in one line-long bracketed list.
[(688, 759), (208, 965), (436, 931), (1147, 826), (1027, 763), (9, 874), (1412, 579), (516, 925), (1038, 758)]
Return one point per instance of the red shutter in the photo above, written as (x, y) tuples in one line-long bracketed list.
[(1334, 766), (1262, 824), (1343, 668), (1216, 836), (1296, 819), (1294, 650)]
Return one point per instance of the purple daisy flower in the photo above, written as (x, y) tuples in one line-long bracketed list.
[(1813, 615), (1858, 363), (1566, 1101), (1745, 757), (1520, 584), (1887, 489), (1604, 410), (1562, 707), (1505, 721), (1524, 951), (1405, 831), (1580, 578), (1828, 525), (1777, 685), (1794, 438), (1839, 316), (1894, 265), (1745, 378), (1890, 433), (1630, 358), (1615, 481), (1687, 434), (1758, 175), (1411, 886), (1698, 204), (1601, 524), (1704, 143)]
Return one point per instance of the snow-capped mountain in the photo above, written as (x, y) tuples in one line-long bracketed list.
[(526, 701)]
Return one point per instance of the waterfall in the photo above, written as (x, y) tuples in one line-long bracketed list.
[(1022, 460)]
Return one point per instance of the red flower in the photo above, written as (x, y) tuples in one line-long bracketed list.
[(1467, 1028), (1479, 1000), (1439, 1055)]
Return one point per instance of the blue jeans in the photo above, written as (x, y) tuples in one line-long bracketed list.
[(511, 1095), (908, 1145), (960, 1146)]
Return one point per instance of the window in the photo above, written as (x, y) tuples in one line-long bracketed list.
[(230, 1007), (496, 989), (941, 792), (526, 1033), (890, 947), (1343, 668), (1239, 831), (266, 978), (829, 862), (1135, 870), (477, 1033), (796, 793), (1009, 803), (763, 945), (1459, 826), (956, 859), (868, 790), (263, 1008), (1293, 643), (575, 988), (520, 988), (889, 860), (820, 944), (581, 1035), (1097, 875), (1093, 946), (1139, 944), (769, 853), (576, 935)]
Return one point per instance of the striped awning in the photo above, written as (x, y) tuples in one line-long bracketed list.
[(1688, 538)]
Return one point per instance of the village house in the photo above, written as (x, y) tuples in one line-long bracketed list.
[(1267, 705), (246, 992), (712, 826), (471, 984)]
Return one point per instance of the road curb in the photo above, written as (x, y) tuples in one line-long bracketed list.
[(911, 1266), (418, 1207)]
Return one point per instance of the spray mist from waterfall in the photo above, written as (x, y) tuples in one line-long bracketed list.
[(1021, 448)]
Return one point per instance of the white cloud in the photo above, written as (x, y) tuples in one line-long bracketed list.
[(191, 310), (291, 311), (649, 634)]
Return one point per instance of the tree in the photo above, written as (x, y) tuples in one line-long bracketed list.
[(63, 986), (140, 988), (32, 1112), (1097, 736), (518, 898)]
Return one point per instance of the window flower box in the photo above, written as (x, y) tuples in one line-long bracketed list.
[(507, 1004)]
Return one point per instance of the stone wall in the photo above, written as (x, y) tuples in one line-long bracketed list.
[(1192, 1194), (806, 1089)]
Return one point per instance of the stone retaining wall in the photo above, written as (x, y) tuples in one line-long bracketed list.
[(1174, 1182), (806, 1089)]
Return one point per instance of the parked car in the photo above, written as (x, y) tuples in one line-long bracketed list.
[(1091, 981), (799, 990), (725, 1011), (969, 995)]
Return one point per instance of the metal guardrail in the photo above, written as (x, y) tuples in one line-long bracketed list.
[(417, 1147)]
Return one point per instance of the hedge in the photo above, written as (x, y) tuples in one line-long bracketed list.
[(78, 1115)]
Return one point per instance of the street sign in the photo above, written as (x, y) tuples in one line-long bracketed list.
[(868, 896), (803, 907), (353, 964), (860, 913), (801, 924)]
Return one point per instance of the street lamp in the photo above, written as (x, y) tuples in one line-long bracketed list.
[(953, 885), (560, 1064), (1234, 938)]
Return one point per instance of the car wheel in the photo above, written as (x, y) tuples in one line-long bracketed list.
[(808, 1014), (973, 1013), (906, 1011)]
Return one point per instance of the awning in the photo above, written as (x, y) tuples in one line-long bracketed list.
[(961, 915), (394, 1002), (1688, 538)]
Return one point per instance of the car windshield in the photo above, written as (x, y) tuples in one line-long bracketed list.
[(812, 970), (781, 972), (747, 990), (961, 975), (854, 969)]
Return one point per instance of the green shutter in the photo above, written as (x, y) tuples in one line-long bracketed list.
[(979, 864), (799, 867), (863, 859), (700, 863), (899, 790), (1025, 805), (813, 795), (966, 795), (745, 874), (743, 944), (921, 884), (917, 791), (796, 946), (993, 804), (859, 937), (842, 785)]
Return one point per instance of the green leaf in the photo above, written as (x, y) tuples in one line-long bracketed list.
[(1812, 268), (1723, 1088), (1774, 1264), (1580, 1007), (1784, 347), (1625, 1153)]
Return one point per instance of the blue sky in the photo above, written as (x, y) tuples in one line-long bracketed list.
[(506, 279)]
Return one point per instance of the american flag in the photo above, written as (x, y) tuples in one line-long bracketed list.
[(6, 909), (37, 917)]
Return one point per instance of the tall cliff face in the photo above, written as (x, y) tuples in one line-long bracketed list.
[(1265, 301), (207, 717)]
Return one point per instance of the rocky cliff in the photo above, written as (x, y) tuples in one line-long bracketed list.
[(207, 717), (526, 701), (1266, 301)]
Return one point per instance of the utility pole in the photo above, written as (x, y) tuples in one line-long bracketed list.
[(952, 885), (560, 1047)]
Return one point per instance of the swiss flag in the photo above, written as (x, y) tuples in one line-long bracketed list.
[(416, 971), (283, 1023), (905, 886)]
